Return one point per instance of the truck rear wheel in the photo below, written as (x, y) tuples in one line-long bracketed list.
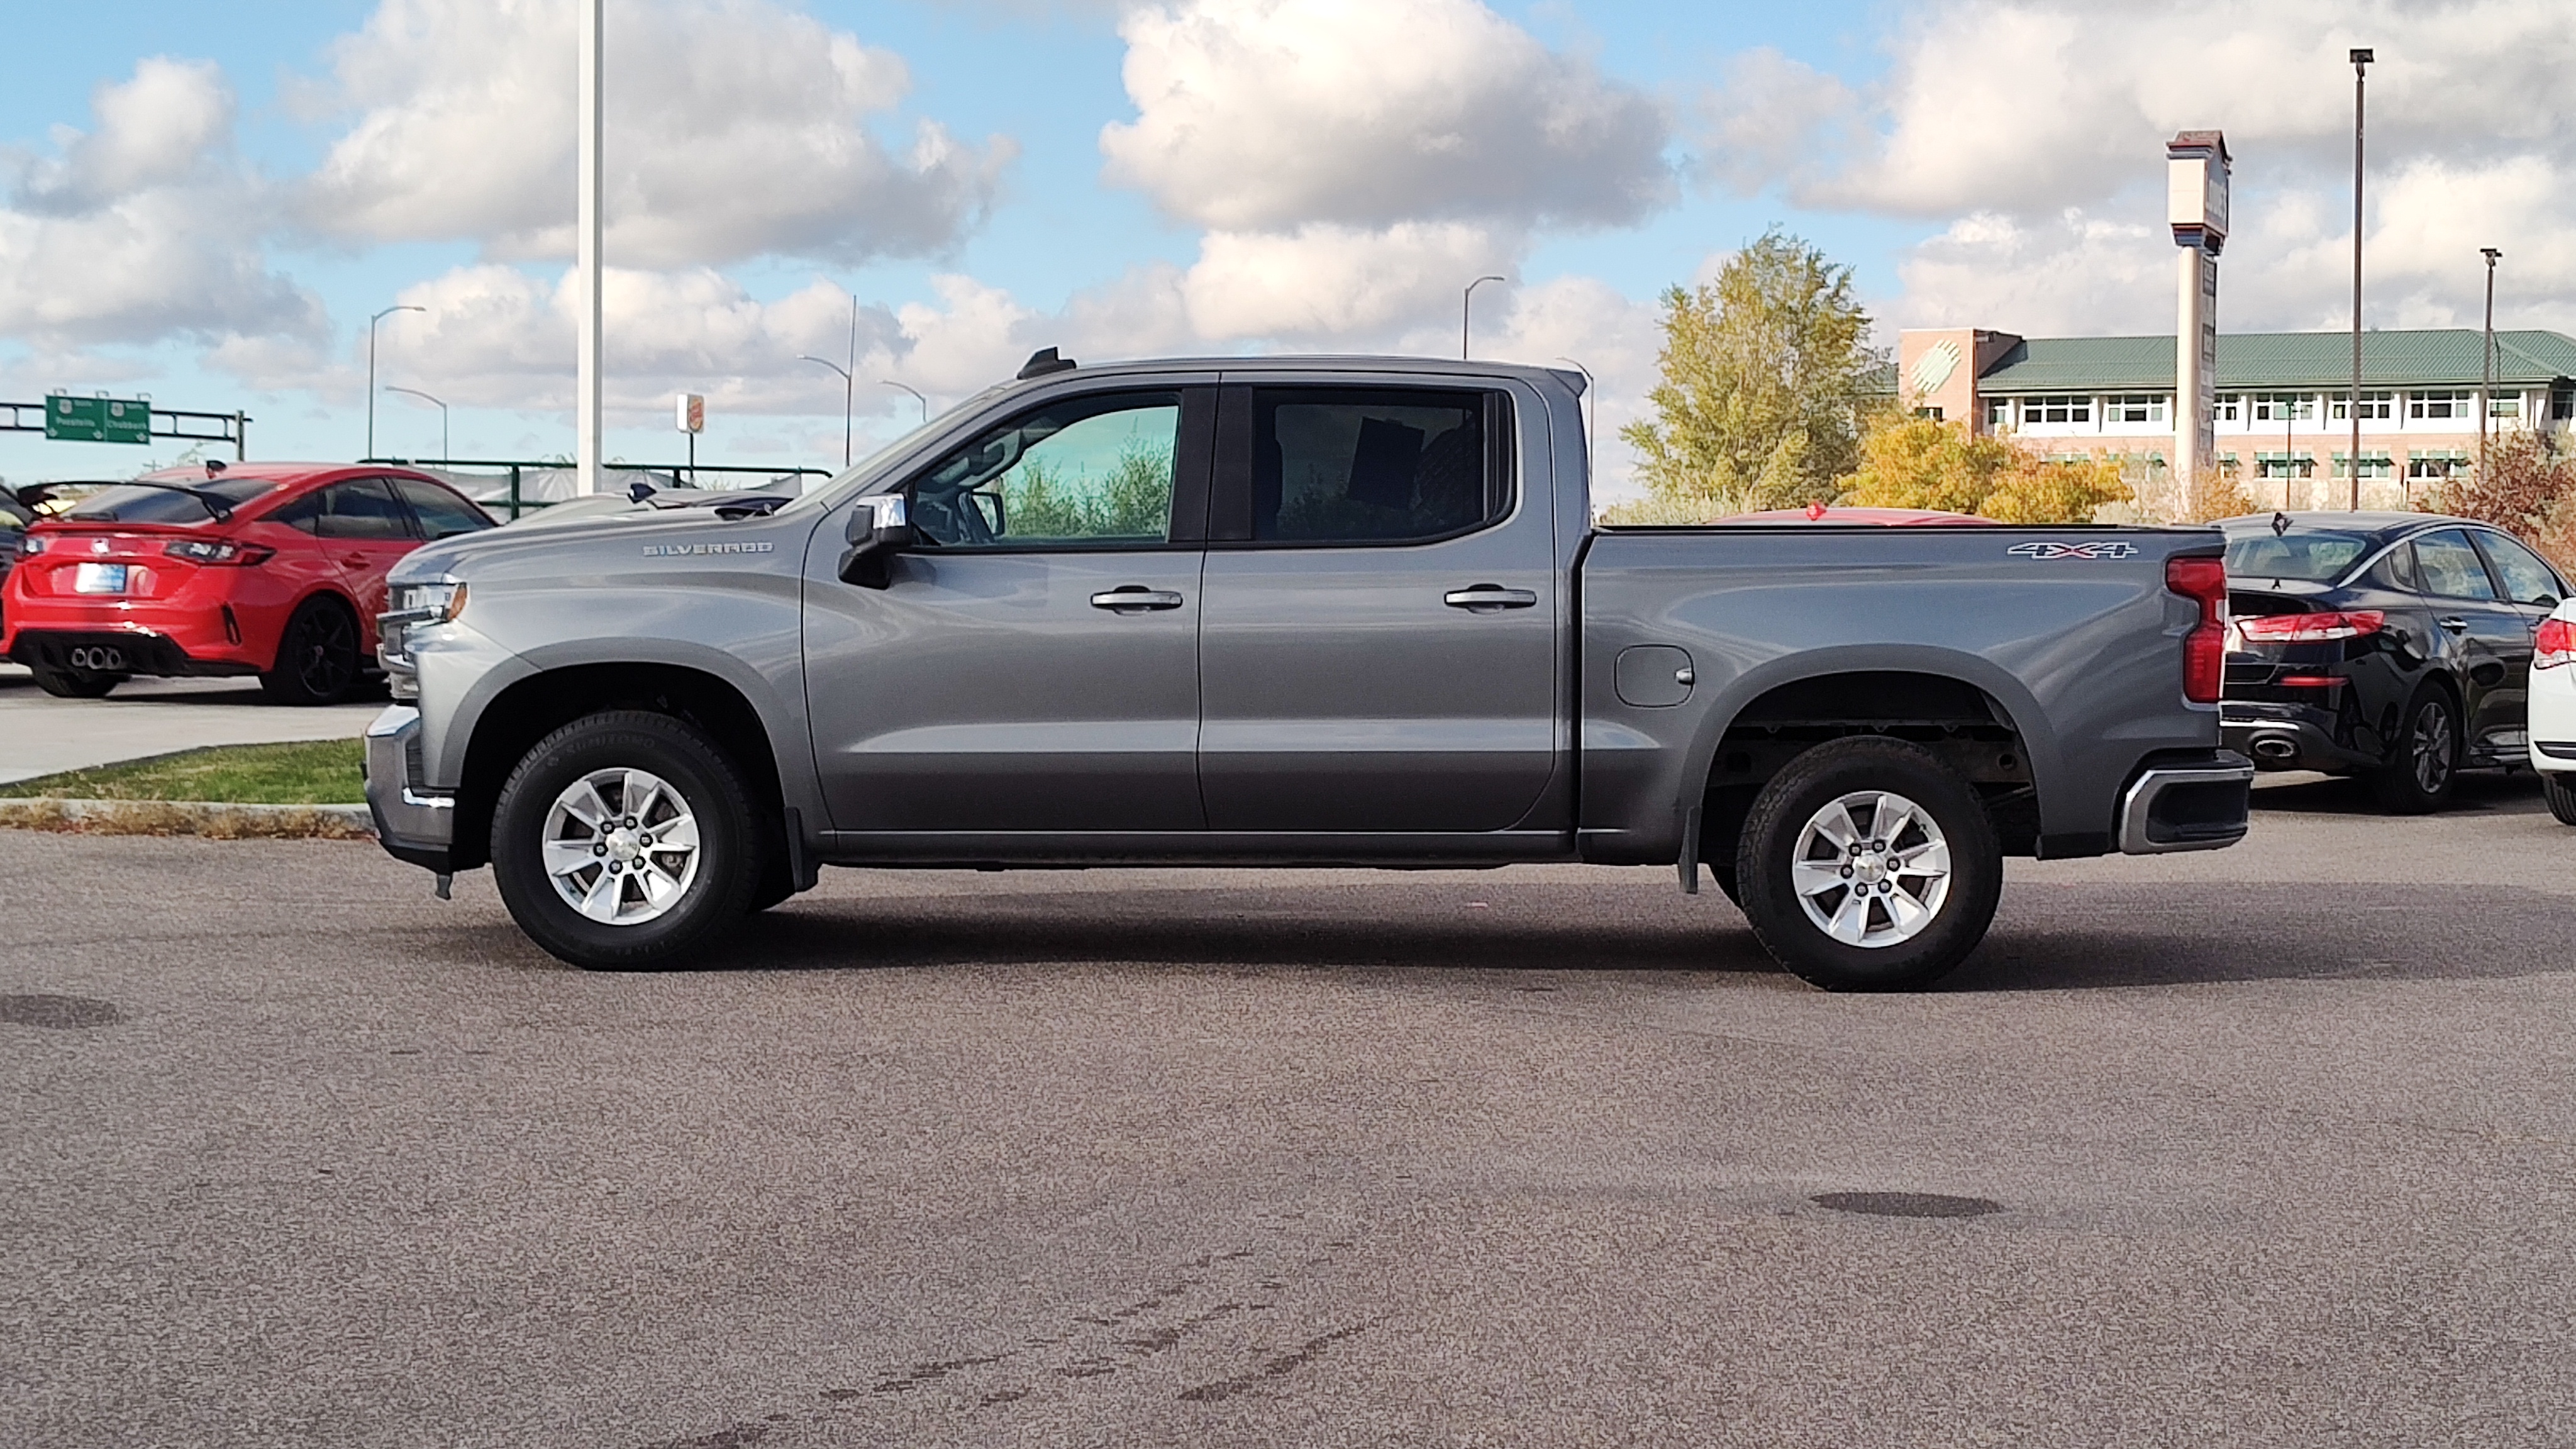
[(625, 840), (1867, 865)]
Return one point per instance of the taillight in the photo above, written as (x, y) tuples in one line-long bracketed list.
[(2311, 628), (2554, 645), (219, 552), (2202, 580)]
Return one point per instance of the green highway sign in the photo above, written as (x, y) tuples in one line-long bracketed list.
[(98, 419)]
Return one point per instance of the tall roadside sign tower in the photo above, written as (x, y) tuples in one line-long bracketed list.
[(2196, 204)]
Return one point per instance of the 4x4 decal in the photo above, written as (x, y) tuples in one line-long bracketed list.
[(2107, 548)]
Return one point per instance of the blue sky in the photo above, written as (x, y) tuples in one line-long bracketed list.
[(305, 162)]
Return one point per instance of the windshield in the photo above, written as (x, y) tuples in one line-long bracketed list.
[(2299, 554), (136, 503)]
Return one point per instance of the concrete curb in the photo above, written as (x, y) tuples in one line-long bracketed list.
[(213, 819)]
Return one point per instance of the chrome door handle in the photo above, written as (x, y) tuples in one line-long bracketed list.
[(1135, 599), (2455, 624), (1489, 596)]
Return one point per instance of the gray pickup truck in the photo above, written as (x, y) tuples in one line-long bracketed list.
[(1288, 612)]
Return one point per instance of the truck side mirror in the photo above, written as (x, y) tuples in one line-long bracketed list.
[(879, 529)]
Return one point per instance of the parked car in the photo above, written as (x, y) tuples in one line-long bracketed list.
[(2394, 646), (1290, 611), (256, 568), (2553, 710)]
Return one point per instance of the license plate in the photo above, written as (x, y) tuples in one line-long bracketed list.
[(95, 578)]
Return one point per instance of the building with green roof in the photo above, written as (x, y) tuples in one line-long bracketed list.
[(2283, 415)]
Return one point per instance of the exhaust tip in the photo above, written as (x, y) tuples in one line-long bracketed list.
[(2276, 747)]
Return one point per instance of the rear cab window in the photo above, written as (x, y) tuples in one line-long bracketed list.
[(1360, 466)]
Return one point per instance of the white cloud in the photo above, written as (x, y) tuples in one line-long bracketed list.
[(145, 227), (736, 128), (1326, 281), (2035, 130), (1264, 115)]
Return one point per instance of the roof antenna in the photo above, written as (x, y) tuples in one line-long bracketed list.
[(1815, 509), (1042, 362), (214, 467), (639, 490), (2280, 523)]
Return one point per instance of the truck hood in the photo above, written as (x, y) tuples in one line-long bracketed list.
[(568, 525)]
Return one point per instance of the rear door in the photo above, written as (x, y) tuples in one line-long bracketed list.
[(2493, 642), (1378, 652), (366, 530)]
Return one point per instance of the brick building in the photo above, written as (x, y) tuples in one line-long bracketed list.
[(2283, 425)]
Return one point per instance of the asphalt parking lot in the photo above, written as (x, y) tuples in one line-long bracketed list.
[(2279, 1145), (40, 735)]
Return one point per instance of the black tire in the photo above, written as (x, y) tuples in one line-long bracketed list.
[(319, 660), (1767, 854), (2560, 792), (77, 683), (2419, 778), (731, 850)]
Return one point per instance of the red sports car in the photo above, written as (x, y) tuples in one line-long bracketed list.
[(273, 569)]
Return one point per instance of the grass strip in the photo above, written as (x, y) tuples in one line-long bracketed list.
[(312, 772)]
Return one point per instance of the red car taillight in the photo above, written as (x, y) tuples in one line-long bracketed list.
[(2204, 649), (219, 552), (2311, 628), (2554, 645)]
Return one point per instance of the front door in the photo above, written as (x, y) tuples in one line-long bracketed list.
[(2529, 590), (1378, 652), (1032, 666)]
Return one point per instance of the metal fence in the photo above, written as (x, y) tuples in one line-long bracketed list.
[(517, 486)]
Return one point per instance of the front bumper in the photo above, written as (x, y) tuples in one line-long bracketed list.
[(414, 825), (2203, 804)]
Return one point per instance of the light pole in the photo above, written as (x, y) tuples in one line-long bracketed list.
[(916, 396), (371, 367), (588, 241), (2362, 56), (443, 451), (849, 387), (2486, 363), (1466, 303)]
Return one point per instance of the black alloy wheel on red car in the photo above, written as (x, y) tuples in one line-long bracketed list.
[(318, 659)]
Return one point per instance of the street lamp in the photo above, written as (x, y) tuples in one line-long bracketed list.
[(2362, 56), (916, 396), (1466, 301), (443, 452), (371, 367), (848, 396), (2486, 363)]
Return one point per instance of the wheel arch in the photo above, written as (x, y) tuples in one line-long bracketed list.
[(1973, 715), (528, 709)]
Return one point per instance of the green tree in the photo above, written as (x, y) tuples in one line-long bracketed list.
[(1760, 395)]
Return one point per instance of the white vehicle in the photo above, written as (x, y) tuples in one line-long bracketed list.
[(2553, 710)]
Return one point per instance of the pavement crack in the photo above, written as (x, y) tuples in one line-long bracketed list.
[(1276, 1367)]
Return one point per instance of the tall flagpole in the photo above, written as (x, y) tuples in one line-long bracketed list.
[(586, 381)]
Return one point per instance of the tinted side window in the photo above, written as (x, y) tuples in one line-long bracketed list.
[(1371, 465), (363, 508), (304, 513), (2526, 579), (442, 514), (1094, 470), (2450, 567), (2396, 571)]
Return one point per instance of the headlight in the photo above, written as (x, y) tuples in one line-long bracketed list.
[(431, 603)]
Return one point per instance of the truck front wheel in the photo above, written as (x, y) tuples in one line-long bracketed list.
[(625, 840), (1867, 865)]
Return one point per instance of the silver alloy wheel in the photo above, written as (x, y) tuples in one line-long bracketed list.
[(1872, 869), (621, 846), (2431, 746)]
